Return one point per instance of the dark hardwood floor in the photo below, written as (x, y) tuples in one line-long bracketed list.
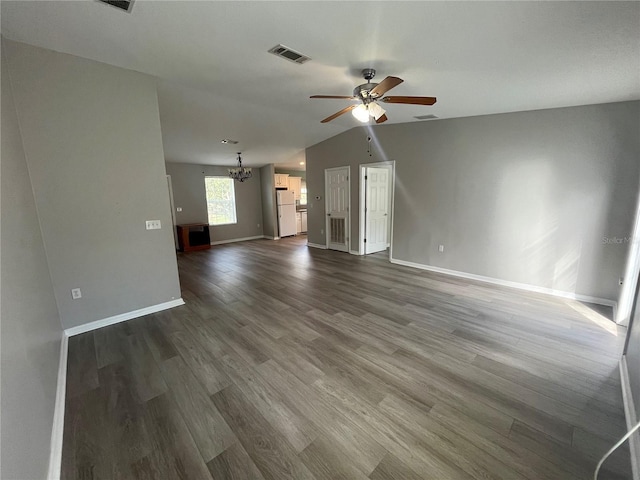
[(293, 363)]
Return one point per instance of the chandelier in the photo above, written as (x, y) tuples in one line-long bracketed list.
[(240, 173)]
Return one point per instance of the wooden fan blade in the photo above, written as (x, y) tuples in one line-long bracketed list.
[(410, 100), (337, 114), (382, 119), (386, 85), (333, 96)]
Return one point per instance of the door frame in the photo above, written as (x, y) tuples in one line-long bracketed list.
[(626, 299), (172, 205), (326, 206), (362, 214)]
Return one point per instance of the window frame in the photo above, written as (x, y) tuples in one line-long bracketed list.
[(232, 200)]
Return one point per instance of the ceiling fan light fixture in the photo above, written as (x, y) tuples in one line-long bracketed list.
[(376, 111), (361, 113)]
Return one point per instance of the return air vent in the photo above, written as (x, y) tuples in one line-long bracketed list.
[(288, 54), (125, 5), (426, 117)]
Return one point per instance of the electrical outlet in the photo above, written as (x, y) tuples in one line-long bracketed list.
[(258, 225), (153, 225), (321, 232), (76, 293), (178, 209), (441, 248)]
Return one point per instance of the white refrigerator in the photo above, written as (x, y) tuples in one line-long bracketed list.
[(286, 212)]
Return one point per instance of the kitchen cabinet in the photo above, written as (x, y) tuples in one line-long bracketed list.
[(295, 185), (298, 222), (281, 180), (301, 221)]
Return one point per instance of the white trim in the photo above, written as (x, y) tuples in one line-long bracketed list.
[(105, 322), (631, 418), (631, 272), (243, 239), (316, 245), (270, 238), (354, 252), (57, 429), (507, 283)]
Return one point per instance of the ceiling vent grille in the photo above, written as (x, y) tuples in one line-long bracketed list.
[(288, 54), (125, 5), (426, 117)]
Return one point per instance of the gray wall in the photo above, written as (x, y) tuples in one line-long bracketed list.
[(94, 149), (189, 194), (31, 329), (525, 197), (269, 207)]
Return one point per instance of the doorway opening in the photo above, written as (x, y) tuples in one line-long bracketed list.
[(337, 205), (376, 207)]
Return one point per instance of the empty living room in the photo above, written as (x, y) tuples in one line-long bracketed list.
[(384, 240)]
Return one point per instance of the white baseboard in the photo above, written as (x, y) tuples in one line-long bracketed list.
[(316, 245), (105, 322), (268, 237), (354, 252), (631, 418), (57, 430), (243, 239), (507, 283)]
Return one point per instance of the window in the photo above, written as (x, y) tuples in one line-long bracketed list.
[(303, 193), (221, 200)]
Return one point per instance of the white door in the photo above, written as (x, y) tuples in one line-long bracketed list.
[(377, 202), (336, 181)]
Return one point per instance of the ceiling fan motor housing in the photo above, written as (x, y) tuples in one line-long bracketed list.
[(363, 92)]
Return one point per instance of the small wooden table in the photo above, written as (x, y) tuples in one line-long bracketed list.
[(193, 236)]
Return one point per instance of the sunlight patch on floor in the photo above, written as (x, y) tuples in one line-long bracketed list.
[(595, 317)]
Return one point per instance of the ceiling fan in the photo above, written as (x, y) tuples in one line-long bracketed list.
[(370, 94)]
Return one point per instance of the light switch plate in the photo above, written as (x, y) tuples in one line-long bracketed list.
[(154, 225)]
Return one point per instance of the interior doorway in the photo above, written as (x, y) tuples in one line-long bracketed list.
[(376, 206), (337, 204)]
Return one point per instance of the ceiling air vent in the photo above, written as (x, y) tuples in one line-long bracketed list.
[(426, 117), (125, 5), (288, 54)]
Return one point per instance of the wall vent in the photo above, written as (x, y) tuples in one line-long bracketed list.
[(125, 5), (426, 117), (288, 54)]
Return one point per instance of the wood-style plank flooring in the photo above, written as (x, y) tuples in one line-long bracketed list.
[(294, 363)]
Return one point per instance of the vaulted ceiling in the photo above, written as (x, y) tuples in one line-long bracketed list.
[(216, 79)]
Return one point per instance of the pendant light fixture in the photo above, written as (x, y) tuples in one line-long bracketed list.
[(240, 173)]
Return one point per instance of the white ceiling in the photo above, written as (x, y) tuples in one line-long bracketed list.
[(216, 79)]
